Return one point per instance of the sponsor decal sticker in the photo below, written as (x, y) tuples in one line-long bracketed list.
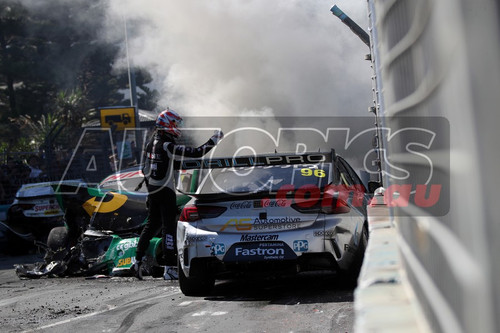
[(240, 205), (51, 207), (300, 245), (253, 238), (239, 224), (93, 204), (217, 249), (259, 251), (329, 233), (277, 220), (124, 262), (265, 203), (281, 226), (249, 161), (127, 244), (194, 238)]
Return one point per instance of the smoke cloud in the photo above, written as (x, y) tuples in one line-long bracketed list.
[(226, 58), (259, 60)]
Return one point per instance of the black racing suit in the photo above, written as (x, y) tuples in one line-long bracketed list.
[(162, 208)]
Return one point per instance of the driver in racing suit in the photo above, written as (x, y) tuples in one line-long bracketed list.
[(158, 172)]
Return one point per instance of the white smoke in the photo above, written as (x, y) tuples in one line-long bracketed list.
[(226, 57)]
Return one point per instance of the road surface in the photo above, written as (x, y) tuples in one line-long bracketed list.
[(304, 303)]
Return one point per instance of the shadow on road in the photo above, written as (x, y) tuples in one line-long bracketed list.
[(303, 288), (8, 261)]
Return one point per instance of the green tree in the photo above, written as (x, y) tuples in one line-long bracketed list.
[(58, 127), (147, 98), (38, 130), (54, 64), (16, 58)]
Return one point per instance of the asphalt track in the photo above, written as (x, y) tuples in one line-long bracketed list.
[(305, 303)]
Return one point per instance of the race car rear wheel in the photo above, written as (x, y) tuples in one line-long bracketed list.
[(196, 285), (352, 274)]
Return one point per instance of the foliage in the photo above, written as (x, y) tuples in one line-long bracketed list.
[(54, 68)]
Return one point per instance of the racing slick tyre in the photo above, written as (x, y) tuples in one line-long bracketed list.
[(57, 243), (198, 285), (58, 237), (352, 274)]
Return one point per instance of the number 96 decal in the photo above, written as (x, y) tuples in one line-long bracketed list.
[(313, 172)]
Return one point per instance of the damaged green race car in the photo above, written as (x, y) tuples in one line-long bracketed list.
[(102, 229)]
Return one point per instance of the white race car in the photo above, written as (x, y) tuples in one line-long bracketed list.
[(271, 213)]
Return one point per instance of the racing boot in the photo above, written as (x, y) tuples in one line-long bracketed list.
[(170, 273), (138, 269)]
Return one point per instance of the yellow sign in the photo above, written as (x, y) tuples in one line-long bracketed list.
[(118, 118)]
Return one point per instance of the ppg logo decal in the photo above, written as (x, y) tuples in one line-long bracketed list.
[(217, 249), (300, 245)]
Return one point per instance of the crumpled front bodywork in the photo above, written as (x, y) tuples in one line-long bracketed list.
[(96, 253)]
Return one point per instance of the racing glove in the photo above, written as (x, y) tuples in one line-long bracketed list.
[(218, 135)]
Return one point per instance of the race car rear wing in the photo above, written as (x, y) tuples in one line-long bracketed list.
[(255, 160)]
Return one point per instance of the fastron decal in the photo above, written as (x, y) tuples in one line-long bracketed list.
[(239, 251), (259, 251)]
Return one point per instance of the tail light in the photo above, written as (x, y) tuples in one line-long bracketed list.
[(329, 206), (338, 206), (192, 213), (19, 208), (335, 200)]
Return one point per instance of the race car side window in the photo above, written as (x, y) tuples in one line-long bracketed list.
[(350, 171), (344, 178)]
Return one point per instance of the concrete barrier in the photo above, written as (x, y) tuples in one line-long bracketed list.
[(439, 59), (384, 299)]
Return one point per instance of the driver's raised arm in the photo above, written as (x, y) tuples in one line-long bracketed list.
[(184, 151)]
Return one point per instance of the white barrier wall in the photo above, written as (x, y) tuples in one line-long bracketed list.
[(440, 58)]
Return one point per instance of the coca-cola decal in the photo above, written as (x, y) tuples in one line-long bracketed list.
[(240, 205), (274, 203)]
